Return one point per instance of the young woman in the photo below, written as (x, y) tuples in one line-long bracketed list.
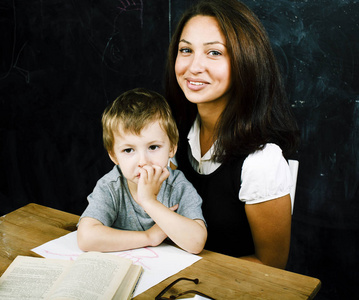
[(236, 128)]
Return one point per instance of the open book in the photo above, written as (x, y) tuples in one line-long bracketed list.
[(92, 275)]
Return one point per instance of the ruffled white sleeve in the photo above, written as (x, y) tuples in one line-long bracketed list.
[(265, 176)]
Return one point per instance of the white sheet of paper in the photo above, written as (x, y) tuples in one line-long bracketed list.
[(158, 262), (196, 297)]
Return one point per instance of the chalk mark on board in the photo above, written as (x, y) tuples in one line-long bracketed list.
[(112, 51), (14, 61), (128, 5)]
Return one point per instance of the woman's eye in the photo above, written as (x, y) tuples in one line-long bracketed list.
[(185, 50), (128, 150), (214, 53), (153, 147)]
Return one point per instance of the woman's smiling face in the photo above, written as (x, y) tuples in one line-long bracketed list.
[(202, 66)]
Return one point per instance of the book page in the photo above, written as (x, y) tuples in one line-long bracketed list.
[(30, 277), (97, 276), (128, 285), (158, 262)]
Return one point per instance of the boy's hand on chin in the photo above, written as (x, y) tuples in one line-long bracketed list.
[(149, 183)]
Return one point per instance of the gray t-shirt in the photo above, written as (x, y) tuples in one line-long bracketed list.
[(111, 202)]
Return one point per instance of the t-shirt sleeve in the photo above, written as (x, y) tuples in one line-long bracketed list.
[(101, 203), (184, 193), (265, 176)]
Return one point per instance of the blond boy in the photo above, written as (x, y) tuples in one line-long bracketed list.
[(141, 201)]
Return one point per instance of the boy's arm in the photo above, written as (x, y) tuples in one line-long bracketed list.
[(92, 235), (190, 235)]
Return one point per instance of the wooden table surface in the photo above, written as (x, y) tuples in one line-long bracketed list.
[(221, 276)]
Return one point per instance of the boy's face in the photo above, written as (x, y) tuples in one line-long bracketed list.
[(131, 151)]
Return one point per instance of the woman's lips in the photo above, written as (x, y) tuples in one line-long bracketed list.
[(196, 85)]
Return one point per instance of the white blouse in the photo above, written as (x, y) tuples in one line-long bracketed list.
[(265, 173)]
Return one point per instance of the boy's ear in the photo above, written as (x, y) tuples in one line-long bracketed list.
[(173, 151), (113, 158)]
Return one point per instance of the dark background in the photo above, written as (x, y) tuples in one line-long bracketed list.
[(62, 62)]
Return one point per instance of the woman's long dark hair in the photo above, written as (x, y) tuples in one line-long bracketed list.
[(258, 111)]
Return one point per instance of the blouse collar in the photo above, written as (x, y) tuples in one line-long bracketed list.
[(194, 142)]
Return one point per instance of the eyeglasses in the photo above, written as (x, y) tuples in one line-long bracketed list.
[(196, 281)]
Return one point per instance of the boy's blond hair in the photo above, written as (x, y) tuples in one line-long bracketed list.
[(134, 110)]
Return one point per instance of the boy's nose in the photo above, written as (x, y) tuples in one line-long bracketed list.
[(143, 161)]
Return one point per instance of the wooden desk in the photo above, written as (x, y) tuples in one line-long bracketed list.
[(221, 276)]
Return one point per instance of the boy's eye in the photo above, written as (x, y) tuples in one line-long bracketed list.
[(128, 150), (153, 147)]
